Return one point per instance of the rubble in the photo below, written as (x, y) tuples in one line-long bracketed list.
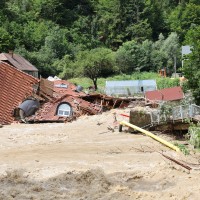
[(52, 97), (58, 100)]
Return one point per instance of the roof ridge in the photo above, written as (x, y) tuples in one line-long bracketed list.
[(19, 70)]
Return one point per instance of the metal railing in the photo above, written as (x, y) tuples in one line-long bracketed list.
[(182, 112), (185, 112)]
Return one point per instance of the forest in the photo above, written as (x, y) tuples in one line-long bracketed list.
[(101, 38)]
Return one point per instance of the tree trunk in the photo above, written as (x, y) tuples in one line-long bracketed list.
[(95, 83)]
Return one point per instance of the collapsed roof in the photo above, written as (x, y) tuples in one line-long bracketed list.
[(59, 100), (15, 87)]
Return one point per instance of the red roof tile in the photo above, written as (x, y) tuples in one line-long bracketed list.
[(167, 94), (70, 89), (15, 86), (79, 106)]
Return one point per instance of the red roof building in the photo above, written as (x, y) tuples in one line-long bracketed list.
[(15, 86), (167, 94)]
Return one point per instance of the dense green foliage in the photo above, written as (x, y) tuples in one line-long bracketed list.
[(194, 133), (191, 66), (70, 37)]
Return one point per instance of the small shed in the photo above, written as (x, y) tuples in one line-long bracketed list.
[(129, 87), (166, 94)]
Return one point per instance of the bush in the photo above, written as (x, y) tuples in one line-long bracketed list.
[(194, 133), (183, 148), (167, 83)]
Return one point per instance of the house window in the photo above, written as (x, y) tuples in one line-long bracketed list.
[(64, 109)]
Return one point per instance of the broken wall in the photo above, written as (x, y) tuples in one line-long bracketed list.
[(140, 117)]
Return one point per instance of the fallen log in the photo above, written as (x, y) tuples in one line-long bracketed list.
[(176, 161), (168, 157)]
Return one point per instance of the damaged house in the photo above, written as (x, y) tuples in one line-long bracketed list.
[(22, 94), (26, 98), (15, 86), (65, 103)]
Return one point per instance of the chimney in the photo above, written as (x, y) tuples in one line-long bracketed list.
[(11, 53)]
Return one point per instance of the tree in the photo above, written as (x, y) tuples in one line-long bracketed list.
[(122, 20), (128, 57), (42, 59), (192, 62), (6, 41), (64, 12), (158, 57), (84, 32), (166, 52), (134, 56), (65, 67), (156, 12), (22, 10), (184, 17), (56, 41), (95, 63), (140, 31), (35, 33), (146, 48), (171, 48)]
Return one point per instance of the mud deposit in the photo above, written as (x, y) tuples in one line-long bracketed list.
[(86, 160), (92, 184)]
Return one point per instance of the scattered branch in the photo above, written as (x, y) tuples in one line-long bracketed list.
[(168, 157)]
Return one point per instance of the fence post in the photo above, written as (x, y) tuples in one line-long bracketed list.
[(190, 111), (181, 111), (173, 114)]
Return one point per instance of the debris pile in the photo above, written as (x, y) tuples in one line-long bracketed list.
[(28, 99), (57, 100)]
